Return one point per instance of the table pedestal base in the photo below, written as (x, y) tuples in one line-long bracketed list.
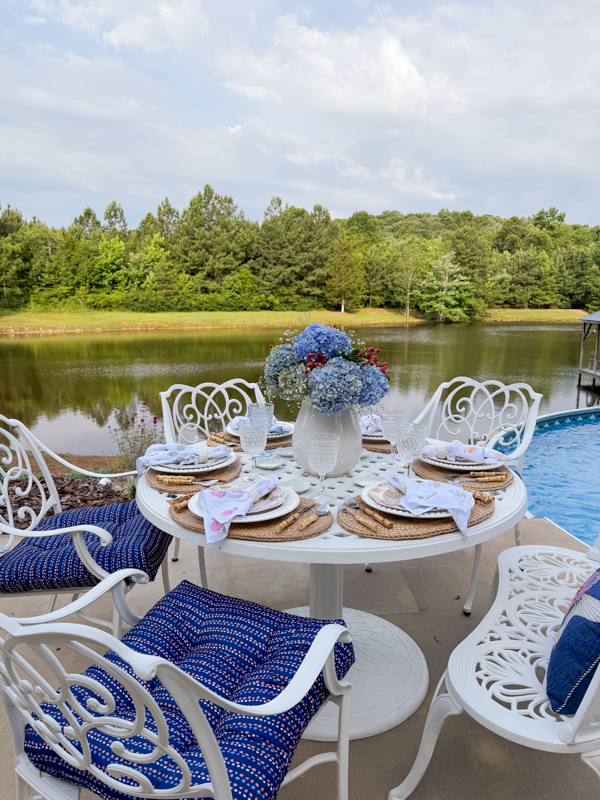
[(389, 679)]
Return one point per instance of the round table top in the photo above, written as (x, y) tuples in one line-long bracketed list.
[(337, 546)]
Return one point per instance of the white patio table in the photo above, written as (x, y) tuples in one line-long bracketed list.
[(390, 677)]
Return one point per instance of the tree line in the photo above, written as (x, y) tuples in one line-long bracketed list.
[(451, 266)]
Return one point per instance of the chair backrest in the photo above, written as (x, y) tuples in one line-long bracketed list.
[(32, 673), (496, 414), (208, 407), (27, 490)]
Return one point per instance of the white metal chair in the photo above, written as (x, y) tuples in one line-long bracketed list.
[(204, 408), (488, 412), (497, 674), (42, 562), (137, 724)]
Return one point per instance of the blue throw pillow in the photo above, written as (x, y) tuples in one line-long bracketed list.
[(576, 651)]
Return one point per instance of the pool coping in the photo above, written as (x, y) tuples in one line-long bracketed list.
[(559, 417)]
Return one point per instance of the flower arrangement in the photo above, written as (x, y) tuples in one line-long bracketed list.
[(321, 366)]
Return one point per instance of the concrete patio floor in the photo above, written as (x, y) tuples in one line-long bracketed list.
[(421, 598)]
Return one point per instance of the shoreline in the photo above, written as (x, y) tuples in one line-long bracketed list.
[(52, 323)]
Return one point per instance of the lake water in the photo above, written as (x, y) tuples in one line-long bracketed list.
[(69, 389)]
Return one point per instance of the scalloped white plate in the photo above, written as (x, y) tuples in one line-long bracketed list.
[(207, 466), (270, 436), (290, 504), (460, 466), (402, 512)]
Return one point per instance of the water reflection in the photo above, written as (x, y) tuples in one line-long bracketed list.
[(69, 389)]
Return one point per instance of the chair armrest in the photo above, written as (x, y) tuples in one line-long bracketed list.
[(320, 657), (74, 467), (76, 532), (108, 584)]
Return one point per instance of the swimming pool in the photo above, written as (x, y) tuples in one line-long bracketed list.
[(562, 472)]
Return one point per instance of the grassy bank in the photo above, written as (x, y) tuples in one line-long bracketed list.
[(47, 322), (52, 322), (535, 314)]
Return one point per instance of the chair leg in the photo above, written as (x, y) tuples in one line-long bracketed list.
[(202, 565), (518, 534), (469, 604), (51, 603), (343, 749), (176, 550), (164, 569), (23, 790), (117, 624), (368, 568), (442, 706)]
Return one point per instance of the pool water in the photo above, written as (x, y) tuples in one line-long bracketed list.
[(562, 476)]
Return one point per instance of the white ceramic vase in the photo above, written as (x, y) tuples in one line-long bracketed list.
[(345, 424)]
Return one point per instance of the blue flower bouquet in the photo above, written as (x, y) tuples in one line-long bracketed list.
[(322, 367)]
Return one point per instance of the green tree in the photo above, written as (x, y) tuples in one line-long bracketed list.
[(212, 238), (520, 234), (533, 279), (365, 227), (115, 223), (445, 294), (105, 271), (407, 260), (11, 220), (87, 223), (376, 267), (346, 284), (548, 220), (167, 218)]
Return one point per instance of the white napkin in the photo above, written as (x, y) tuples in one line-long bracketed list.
[(457, 451), (276, 427), (180, 455), (370, 423), (220, 506), (423, 496)]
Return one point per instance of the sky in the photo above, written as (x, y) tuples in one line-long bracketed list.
[(353, 104)]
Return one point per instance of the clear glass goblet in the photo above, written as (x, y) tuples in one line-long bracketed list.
[(261, 411), (322, 451), (253, 439), (412, 443), (391, 425)]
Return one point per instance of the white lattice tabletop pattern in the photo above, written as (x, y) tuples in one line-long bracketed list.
[(390, 677)]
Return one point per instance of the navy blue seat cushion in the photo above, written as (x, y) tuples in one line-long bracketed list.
[(52, 562), (242, 651), (576, 651)]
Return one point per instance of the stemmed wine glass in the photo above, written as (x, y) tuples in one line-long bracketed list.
[(322, 451), (411, 443), (253, 438), (391, 424)]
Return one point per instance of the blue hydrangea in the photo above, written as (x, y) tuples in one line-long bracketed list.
[(335, 386), (317, 338), (280, 357), (374, 386)]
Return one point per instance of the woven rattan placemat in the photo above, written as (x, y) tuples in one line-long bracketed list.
[(406, 528), (224, 475), (263, 531), (285, 441), (376, 447), (431, 473)]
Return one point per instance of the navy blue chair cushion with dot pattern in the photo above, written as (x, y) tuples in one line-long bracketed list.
[(50, 563), (243, 652)]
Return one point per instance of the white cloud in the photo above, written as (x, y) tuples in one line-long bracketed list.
[(151, 25), (411, 181), (35, 20)]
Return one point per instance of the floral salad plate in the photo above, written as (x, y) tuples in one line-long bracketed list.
[(383, 497), (278, 502)]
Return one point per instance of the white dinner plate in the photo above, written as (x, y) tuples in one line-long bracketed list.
[(460, 466), (268, 463), (270, 436), (374, 437), (208, 466), (292, 499), (401, 512)]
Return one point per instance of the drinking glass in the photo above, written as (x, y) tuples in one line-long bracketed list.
[(189, 434), (322, 451), (411, 443), (261, 411), (391, 424), (253, 438)]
